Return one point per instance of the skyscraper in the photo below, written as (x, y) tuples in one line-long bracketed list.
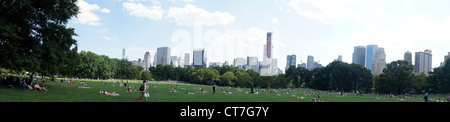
[(269, 44), (422, 62), (310, 63), (174, 61), (147, 63), (408, 57), (239, 62), (187, 60), (370, 54), (302, 65), (339, 58), (359, 55), (446, 57), (268, 64), (123, 54), (291, 60), (163, 56), (200, 58), (379, 61)]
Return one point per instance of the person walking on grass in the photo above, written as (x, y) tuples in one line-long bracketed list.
[(214, 89), (143, 90)]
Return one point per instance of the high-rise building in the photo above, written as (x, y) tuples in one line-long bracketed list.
[(422, 62), (226, 63), (291, 60), (359, 55), (252, 60), (123, 54), (379, 61), (268, 65), (155, 59), (174, 61), (252, 63), (239, 62), (370, 54), (214, 64), (187, 60), (200, 58), (408, 57), (269, 45), (310, 62), (302, 65), (146, 61), (316, 65), (163, 56), (339, 58), (446, 57)]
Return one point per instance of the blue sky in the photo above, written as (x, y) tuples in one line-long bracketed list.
[(228, 29)]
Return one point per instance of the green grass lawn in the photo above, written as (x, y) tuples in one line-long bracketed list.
[(160, 92)]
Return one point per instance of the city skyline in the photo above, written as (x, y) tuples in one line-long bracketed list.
[(239, 30)]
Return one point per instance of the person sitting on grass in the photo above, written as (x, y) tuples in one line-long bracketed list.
[(42, 84), (37, 87), (400, 100), (82, 83), (173, 89), (24, 84)]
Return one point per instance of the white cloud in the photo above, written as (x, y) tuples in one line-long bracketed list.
[(105, 10), (107, 38), (139, 10), (325, 9), (190, 15), (86, 15), (180, 0), (275, 20)]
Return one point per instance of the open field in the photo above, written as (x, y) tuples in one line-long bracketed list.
[(160, 91)]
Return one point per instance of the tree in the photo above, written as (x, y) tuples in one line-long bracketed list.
[(419, 83), (227, 79), (34, 36), (396, 78), (243, 79), (439, 79), (146, 75)]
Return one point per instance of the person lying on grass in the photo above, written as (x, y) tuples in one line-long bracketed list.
[(109, 94), (131, 91), (79, 86)]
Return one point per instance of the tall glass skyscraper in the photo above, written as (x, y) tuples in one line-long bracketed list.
[(199, 58), (359, 55), (371, 50), (291, 60), (163, 56), (408, 57)]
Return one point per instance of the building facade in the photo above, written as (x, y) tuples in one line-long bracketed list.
[(163, 56), (199, 58), (310, 63), (370, 54), (379, 61), (146, 63), (408, 57), (422, 62), (359, 55), (291, 60)]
